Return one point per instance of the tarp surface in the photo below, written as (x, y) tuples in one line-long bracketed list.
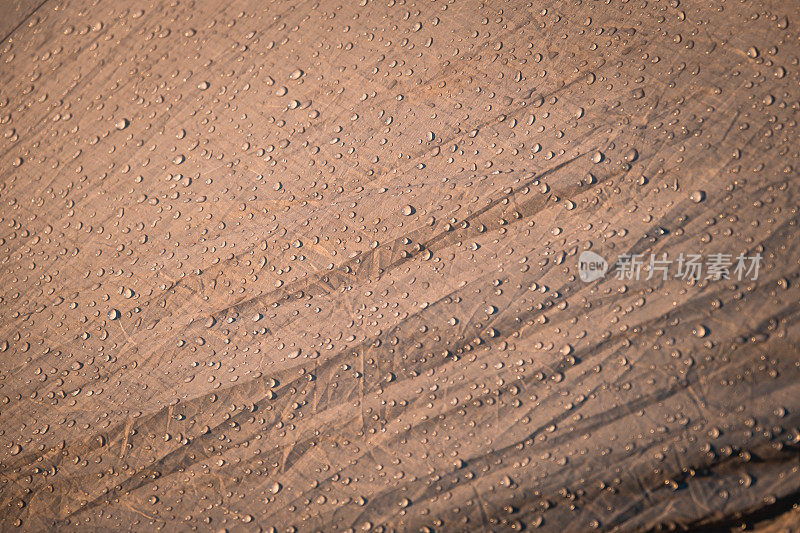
[(324, 265)]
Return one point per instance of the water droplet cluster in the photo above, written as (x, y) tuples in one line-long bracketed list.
[(313, 266)]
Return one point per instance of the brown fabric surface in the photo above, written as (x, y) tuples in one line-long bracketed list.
[(314, 265)]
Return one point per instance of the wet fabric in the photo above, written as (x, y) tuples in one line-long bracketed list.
[(300, 266)]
